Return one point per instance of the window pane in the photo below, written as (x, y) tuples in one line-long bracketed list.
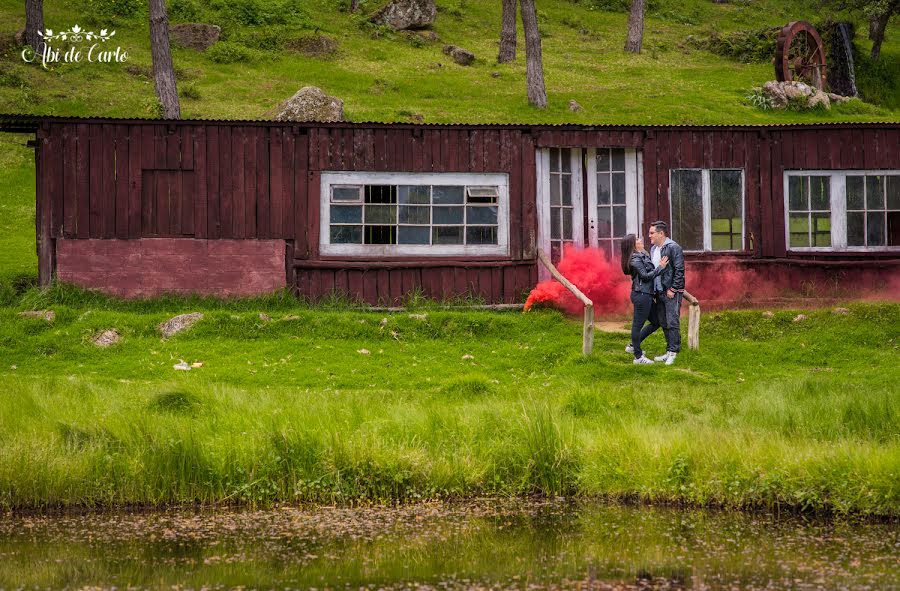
[(618, 221), (381, 214), (414, 235), (819, 193), (603, 159), (566, 160), (447, 235), (566, 189), (855, 192), (687, 209), (725, 197), (604, 222), (346, 214), (446, 195), (481, 215), (893, 192), (346, 234), (414, 194), (447, 215), (856, 228), (481, 235), (618, 188), (799, 229), (567, 224), (874, 192), (554, 189), (603, 189), (893, 228), (381, 194), (721, 242), (821, 229), (797, 194), (380, 234), (346, 193), (875, 229), (555, 225), (415, 214), (554, 159), (482, 195), (618, 159)]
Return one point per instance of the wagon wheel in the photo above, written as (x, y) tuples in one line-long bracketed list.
[(800, 55)]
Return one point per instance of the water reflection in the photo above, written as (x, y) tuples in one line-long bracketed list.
[(484, 544)]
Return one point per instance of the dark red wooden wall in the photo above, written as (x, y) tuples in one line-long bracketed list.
[(248, 180)]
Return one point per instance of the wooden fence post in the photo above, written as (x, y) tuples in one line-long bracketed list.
[(587, 341), (693, 321)]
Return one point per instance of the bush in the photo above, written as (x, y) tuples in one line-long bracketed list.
[(184, 10), (113, 9), (759, 99), (225, 52), (189, 90), (258, 12), (757, 45)]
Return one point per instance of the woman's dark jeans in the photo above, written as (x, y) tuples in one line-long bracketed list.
[(643, 307)]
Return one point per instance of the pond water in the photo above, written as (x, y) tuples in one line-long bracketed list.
[(473, 545)]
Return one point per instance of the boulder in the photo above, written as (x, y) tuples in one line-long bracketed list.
[(819, 98), (775, 91), (461, 56), (311, 104), (107, 338), (783, 94), (406, 14), (179, 323), (194, 35), (574, 106)]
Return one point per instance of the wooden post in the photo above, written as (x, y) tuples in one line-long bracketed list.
[(693, 321), (587, 343)]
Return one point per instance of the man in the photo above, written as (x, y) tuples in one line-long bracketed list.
[(669, 288)]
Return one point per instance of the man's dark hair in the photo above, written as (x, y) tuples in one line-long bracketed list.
[(661, 226)]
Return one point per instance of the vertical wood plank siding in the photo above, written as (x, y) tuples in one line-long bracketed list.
[(127, 180)]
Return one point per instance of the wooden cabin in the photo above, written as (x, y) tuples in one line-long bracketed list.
[(141, 207)]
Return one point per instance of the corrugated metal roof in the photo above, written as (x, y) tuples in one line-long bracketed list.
[(29, 121)]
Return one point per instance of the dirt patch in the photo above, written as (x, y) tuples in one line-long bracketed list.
[(107, 338), (613, 327), (320, 46), (178, 324), (48, 315)]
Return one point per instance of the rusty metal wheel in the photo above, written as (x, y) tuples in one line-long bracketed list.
[(800, 55)]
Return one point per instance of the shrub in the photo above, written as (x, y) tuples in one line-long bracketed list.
[(757, 45), (112, 9), (759, 99), (189, 90), (225, 52), (184, 10)]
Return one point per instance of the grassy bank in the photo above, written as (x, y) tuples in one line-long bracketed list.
[(344, 406)]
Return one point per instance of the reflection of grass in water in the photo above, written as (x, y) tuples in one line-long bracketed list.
[(770, 412)]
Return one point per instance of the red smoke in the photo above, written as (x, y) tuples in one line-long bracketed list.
[(599, 279)]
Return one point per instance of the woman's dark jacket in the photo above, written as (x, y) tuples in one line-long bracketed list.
[(643, 272)]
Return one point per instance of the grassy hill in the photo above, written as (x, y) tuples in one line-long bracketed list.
[(270, 49)]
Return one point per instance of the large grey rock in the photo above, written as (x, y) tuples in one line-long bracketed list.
[(194, 35), (461, 56), (311, 104), (406, 14), (783, 94)]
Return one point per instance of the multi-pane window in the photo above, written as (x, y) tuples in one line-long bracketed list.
[(611, 199), (707, 207), (561, 207), (809, 211), (406, 213), (873, 210), (837, 209)]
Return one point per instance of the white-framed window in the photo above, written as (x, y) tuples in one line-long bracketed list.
[(421, 214), (842, 209), (707, 207), (614, 187)]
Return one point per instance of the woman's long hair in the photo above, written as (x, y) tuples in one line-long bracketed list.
[(627, 250)]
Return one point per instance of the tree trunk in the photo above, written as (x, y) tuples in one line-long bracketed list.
[(354, 5), (163, 72), (534, 63), (635, 27), (508, 33), (878, 33), (34, 22)]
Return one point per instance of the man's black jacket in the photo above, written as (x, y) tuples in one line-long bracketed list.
[(673, 275)]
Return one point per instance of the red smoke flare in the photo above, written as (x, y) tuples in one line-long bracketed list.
[(598, 278)]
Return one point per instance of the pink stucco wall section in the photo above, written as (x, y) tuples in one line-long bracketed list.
[(152, 266)]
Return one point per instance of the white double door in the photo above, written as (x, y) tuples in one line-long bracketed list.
[(588, 197)]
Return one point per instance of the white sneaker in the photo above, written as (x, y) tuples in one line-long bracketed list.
[(629, 348), (671, 358), (663, 357), (643, 361)]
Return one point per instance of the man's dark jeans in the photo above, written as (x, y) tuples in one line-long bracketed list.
[(643, 309), (666, 312)]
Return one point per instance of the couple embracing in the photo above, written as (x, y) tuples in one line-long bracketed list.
[(657, 287)]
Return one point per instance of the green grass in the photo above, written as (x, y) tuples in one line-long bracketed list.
[(384, 76), (770, 412)]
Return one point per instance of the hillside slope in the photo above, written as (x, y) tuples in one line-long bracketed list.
[(384, 76)]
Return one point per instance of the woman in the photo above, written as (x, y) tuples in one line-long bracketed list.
[(636, 262)]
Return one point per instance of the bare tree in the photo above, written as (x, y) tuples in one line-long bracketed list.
[(878, 25), (34, 22), (534, 63), (163, 72), (635, 27), (508, 33)]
